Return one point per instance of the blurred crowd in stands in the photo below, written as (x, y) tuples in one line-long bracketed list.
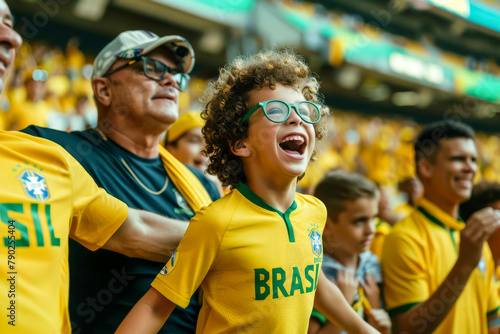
[(49, 87)]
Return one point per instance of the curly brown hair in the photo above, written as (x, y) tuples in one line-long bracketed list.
[(226, 103)]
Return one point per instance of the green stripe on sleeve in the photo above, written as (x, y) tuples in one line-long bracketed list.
[(401, 309)]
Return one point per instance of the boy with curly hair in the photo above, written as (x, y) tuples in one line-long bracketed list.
[(257, 252)]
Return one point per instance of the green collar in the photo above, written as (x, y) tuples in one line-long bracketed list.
[(255, 199), (433, 219), (436, 221), (435, 213)]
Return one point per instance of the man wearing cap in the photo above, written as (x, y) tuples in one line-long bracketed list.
[(136, 83)]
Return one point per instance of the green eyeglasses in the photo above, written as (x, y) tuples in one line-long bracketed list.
[(156, 70), (278, 111)]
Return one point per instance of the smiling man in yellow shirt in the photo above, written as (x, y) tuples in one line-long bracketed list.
[(438, 270)]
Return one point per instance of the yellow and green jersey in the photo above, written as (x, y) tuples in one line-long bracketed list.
[(45, 196), (258, 267), (418, 255)]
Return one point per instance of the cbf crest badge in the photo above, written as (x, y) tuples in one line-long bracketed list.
[(34, 185), (315, 239), (170, 264)]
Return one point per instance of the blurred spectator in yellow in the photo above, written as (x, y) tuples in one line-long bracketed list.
[(35, 110), (75, 57), (405, 154), (410, 189), (382, 230), (383, 223), (58, 83), (385, 211), (84, 116), (185, 140), (378, 154)]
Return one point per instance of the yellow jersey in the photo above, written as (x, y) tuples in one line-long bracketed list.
[(45, 197), (418, 255), (3, 120), (258, 267), (382, 230)]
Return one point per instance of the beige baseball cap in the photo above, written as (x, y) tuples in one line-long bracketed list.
[(135, 43)]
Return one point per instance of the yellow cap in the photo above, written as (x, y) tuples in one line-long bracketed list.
[(184, 123)]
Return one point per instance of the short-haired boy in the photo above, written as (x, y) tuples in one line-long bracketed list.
[(352, 205), (257, 252)]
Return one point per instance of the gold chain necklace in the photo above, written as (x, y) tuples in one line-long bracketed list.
[(142, 184), (133, 174)]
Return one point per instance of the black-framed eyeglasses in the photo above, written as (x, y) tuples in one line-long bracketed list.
[(278, 111), (156, 70)]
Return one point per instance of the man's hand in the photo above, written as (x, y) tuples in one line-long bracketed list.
[(477, 230), (379, 319), (372, 292), (347, 284)]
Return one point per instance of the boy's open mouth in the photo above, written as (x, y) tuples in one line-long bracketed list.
[(294, 144)]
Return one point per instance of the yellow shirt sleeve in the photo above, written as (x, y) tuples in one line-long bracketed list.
[(405, 283), (96, 214), (197, 252)]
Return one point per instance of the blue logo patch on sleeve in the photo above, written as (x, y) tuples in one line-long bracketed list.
[(34, 185), (167, 269)]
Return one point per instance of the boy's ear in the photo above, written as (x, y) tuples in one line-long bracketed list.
[(240, 149)]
